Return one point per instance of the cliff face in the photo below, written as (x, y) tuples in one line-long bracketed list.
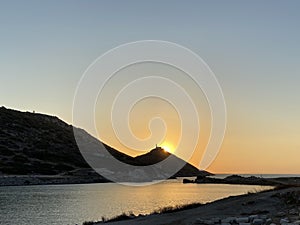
[(38, 144)]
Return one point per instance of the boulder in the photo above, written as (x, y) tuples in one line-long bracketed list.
[(242, 220), (284, 221), (258, 221), (229, 220), (252, 217)]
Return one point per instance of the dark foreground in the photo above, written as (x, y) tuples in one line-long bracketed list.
[(279, 206)]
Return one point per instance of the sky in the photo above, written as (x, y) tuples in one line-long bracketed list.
[(252, 47)]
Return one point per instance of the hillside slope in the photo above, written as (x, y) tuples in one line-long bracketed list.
[(37, 144)]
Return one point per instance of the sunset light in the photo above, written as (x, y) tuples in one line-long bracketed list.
[(150, 112), (167, 147)]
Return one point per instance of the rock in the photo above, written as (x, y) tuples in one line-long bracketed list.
[(242, 220), (293, 212), (187, 181), (225, 224), (252, 217), (216, 220), (280, 214), (268, 221), (273, 224), (202, 221), (199, 221), (257, 221), (229, 220), (284, 221), (296, 222), (244, 223), (264, 217), (209, 222)]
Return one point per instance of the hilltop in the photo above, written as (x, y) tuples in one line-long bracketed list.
[(35, 144)]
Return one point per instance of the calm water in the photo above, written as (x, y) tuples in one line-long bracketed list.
[(74, 204)]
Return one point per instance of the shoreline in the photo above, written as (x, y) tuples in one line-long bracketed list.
[(87, 178), (250, 180), (27, 180), (277, 206), (264, 205)]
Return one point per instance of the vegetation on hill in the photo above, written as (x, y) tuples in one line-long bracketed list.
[(32, 143)]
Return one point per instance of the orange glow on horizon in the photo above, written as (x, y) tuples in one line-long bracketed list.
[(167, 147)]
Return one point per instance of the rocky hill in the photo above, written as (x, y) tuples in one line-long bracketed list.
[(158, 154), (37, 144)]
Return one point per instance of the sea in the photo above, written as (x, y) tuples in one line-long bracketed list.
[(76, 203)]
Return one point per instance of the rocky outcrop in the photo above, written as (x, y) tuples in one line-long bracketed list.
[(252, 180), (232, 179), (235, 179)]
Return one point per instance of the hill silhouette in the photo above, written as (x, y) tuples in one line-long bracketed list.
[(38, 144)]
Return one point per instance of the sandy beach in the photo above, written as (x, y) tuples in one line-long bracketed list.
[(280, 206)]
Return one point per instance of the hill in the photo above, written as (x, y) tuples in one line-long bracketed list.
[(158, 154), (37, 144)]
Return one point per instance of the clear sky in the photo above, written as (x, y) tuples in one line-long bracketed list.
[(252, 47)]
